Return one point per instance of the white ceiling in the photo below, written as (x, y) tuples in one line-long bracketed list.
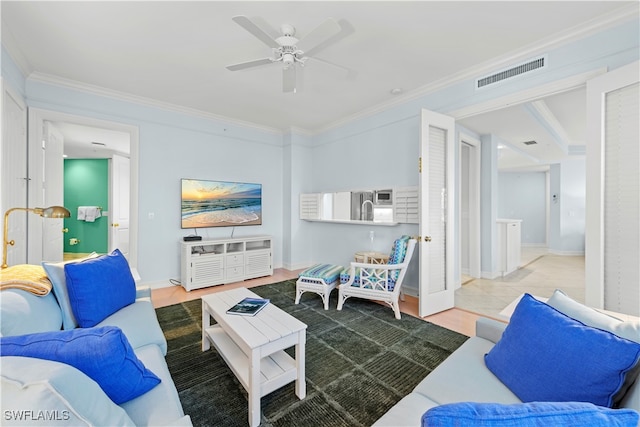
[(174, 53)]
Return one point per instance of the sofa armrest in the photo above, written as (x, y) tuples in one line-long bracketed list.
[(490, 329), (143, 292)]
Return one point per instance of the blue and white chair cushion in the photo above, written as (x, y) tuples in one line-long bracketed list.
[(372, 280), (327, 272), (377, 279)]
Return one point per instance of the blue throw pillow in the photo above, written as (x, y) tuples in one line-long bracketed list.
[(536, 414), (99, 287), (544, 355), (103, 354)]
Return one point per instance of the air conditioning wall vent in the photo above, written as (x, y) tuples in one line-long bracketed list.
[(517, 70), (529, 142)]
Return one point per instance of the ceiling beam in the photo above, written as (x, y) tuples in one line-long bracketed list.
[(545, 117)]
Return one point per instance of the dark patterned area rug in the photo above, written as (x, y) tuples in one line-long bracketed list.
[(359, 362)]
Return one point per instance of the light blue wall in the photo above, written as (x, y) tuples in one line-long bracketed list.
[(297, 180), (203, 155), (568, 183), (376, 150), (523, 196), (488, 204)]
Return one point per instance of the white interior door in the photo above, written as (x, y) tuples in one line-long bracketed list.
[(52, 192), (437, 154), (612, 238), (119, 211), (13, 179)]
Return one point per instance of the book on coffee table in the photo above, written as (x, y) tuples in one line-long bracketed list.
[(248, 306)]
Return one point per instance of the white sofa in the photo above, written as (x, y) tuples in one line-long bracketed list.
[(464, 377), (37, 392)]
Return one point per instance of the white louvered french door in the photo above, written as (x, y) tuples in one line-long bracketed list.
[(436, 245), (613, 196)]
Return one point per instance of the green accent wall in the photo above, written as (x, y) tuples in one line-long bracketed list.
[(86, 183)]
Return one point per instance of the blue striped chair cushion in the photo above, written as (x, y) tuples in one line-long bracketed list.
[(327, 272), (398, 252)]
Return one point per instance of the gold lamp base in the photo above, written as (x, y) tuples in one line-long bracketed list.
[(50, 212)]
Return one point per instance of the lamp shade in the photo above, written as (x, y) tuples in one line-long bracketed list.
[(56, 212)]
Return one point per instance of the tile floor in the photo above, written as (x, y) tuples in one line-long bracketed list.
[(540, 275)]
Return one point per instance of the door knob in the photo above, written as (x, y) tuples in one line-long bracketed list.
[(115, 225), (427, 238), (65, 230)]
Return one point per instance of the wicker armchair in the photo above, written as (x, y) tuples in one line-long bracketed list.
[(379, 282)]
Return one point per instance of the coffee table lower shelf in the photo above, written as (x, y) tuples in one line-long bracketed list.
[(276, 370)]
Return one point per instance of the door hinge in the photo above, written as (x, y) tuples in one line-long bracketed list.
[(419, 164)]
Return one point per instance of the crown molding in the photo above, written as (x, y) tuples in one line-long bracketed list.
[(10, 45), (616, 17), (596, 25), (140, 100), (299, 131)]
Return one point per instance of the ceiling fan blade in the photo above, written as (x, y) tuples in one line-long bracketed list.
[(249, 64), (264, 26), (292, 79), (346, 29), (261, 34), (351, 74), (319, 35)]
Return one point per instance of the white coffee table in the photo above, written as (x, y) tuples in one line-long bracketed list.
[(253, 346)]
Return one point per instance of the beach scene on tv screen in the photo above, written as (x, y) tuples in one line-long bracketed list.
[(220, 203)]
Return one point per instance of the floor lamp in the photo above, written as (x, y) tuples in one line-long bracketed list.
[(50, 212)]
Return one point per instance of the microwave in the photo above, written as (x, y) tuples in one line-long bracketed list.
[(383, 197)]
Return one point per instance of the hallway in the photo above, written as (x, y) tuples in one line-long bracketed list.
[(541, 274)]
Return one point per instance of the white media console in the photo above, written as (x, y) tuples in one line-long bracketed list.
[(215, 262)]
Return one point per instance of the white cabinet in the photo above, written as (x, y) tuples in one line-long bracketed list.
[(509, 245), (215, 262)]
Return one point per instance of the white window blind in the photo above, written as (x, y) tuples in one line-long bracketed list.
[(310, 206), (407, 205), (437, 169), (622, 201)]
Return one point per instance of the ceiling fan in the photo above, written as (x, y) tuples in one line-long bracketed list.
[(291, 52)]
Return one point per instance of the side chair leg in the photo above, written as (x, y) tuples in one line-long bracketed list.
[(396, 309)]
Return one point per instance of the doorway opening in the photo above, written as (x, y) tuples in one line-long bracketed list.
[(105, 154), (469, 212)]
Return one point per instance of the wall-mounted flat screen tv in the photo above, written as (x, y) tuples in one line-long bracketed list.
[(220, 203)]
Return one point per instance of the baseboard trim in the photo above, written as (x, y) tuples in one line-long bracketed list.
[(298, 266), (490, 275), (159, 284), (566, 253)]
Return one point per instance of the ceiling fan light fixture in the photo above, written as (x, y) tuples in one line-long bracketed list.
[(289, 50), (288, 59)]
